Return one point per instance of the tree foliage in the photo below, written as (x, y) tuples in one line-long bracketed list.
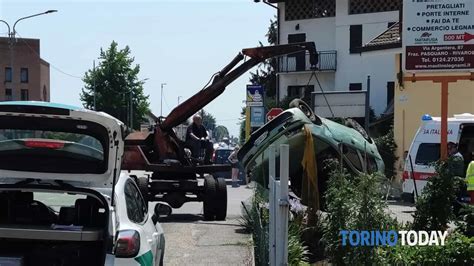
[(387, 146), (115, 79), (220, 132), (208, 120)]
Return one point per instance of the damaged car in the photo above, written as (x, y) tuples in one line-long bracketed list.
[(348, 143)]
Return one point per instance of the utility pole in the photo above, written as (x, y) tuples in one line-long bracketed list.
[(179, 97), (367, 105), (161, 106), (95, 91), (12, 38)]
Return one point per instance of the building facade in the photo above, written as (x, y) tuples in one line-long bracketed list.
[(339, 29), (28, 79)]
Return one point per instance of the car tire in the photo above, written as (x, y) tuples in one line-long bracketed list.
[(209, 197), (305, 108), (221, 199), (142, 183)]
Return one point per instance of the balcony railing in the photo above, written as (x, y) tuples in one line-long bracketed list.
[(300, 62)]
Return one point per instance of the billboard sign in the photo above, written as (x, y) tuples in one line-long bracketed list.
[(255, 95), (438, 35), (257, 116)]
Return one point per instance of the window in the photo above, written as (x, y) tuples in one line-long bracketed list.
[(8, 94), (427, 153), (24, 75), (355, 86), (355, 41), (45, 94), (8, 74), (373, 6), (136, 207), (390, 24), (353, 157), (24, 95), (390, 92), (302, 92), (308, 9)]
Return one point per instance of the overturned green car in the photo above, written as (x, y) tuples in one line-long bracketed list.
[(331, 141)]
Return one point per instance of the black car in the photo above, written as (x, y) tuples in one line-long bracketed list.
[(221, 156)]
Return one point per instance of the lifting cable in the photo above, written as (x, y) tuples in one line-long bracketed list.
[(321, 87)]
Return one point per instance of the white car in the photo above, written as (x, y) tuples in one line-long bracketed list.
[(63, 198)]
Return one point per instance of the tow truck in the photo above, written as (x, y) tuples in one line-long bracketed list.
[(175, 174)]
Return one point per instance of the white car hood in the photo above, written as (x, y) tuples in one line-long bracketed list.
[(57, 111)]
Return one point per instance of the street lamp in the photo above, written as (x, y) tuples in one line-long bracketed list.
[(161, 106), (12, 33)]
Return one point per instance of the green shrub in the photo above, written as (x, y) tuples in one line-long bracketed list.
[(354, 203), (458, 250), (387, 147), (434, 207)]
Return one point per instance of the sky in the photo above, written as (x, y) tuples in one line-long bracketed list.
[(177, 42)]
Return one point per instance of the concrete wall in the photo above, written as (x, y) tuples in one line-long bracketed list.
[(333, 34)]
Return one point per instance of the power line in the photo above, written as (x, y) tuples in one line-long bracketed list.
[(50, 64)]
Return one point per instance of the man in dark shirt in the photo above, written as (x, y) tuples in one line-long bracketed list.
[(197, 139)]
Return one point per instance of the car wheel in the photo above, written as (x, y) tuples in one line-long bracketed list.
[(142, 183), (305, 108), (209, 196), (221, 199)]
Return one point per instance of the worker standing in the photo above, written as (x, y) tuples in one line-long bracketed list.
[(235, 166), (470, 181), (457, 167)]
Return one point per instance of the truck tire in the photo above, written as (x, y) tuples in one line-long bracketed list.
[(221, 199), (142, 183), (209, 197)]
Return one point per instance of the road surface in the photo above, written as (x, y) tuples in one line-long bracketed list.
[(192, 241)]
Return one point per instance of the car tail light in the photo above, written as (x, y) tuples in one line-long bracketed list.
[(128, 244), (43, 144), (214, 156), (405, 175)]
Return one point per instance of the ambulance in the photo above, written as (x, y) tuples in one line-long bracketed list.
[(425, 150)]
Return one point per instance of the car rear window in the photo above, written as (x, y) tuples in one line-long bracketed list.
[(222, 156), (427, 153), (52, 146)]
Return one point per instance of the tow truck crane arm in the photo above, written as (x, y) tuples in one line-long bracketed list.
[(142, 150), (226, 76)]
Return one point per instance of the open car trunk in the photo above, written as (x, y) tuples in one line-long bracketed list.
[(44, 228)]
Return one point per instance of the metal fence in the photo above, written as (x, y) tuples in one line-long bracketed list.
[(300, 62)]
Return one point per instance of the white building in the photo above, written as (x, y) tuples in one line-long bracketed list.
[(340, 29)]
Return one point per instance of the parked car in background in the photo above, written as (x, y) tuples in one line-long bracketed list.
[(221, 156), (63, 198)]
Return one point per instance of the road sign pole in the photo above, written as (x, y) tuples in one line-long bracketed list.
[(444, 119)]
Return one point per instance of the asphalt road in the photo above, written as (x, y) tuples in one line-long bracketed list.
[(192, 241)]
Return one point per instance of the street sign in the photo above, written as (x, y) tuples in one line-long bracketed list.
[(438, 35), (255, 95), (257, 116), (273, 112)]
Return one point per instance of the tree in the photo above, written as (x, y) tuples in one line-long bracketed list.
[(116, 81), (220, 132), (208, 120)]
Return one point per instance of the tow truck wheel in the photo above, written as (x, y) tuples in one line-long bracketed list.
[(221, 199), (209, 197), (142, 183)]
